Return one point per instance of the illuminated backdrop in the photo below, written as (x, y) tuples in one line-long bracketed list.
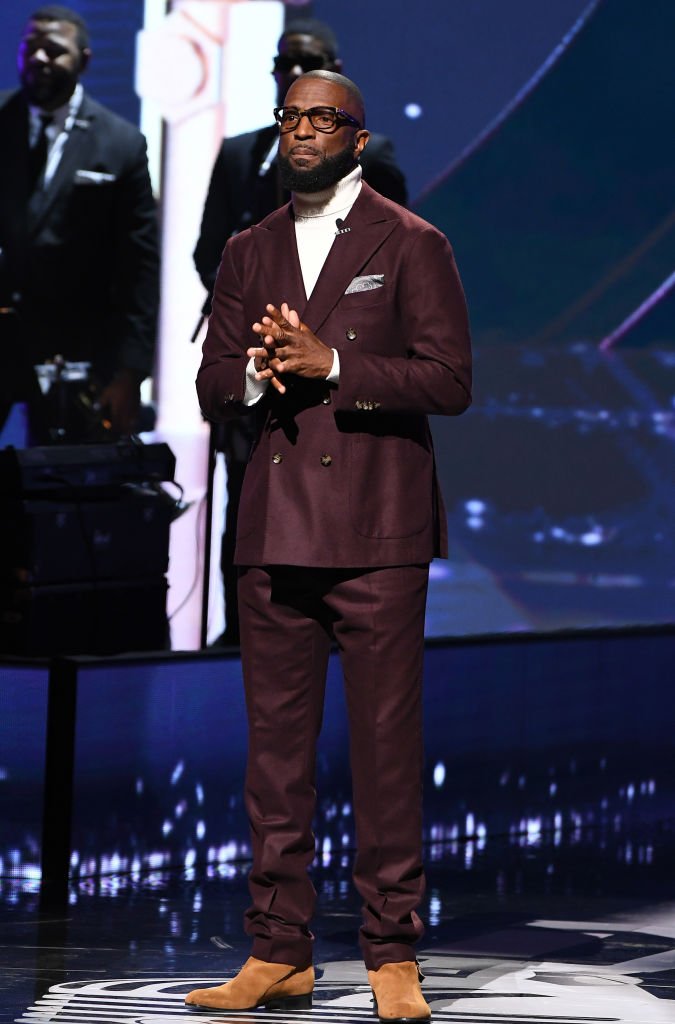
[(538, 137)]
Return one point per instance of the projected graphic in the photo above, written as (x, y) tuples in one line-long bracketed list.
[(561, 479)]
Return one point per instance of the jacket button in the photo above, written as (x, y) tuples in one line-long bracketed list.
[(351, 334), (326, 398), (277, 458), (326, 460), (358, 404)]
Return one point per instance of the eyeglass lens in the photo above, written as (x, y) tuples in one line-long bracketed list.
[(308, 62)]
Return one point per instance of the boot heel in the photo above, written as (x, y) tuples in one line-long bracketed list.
[(291, 1003)]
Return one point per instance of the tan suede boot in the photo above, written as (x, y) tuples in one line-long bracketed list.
[(275, 986), (397, 992)]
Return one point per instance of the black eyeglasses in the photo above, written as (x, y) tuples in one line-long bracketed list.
[(285, 62), (323, 119)]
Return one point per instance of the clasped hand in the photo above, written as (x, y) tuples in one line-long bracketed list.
[(288, 346)]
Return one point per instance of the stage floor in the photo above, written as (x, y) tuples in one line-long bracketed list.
[(576, 928)]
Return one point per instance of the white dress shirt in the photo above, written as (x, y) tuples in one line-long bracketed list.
[(63, 119)]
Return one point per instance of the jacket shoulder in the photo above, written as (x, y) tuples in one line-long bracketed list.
[(12, 101), (377, 142), (239, 149), (374, 205), (98, 115)]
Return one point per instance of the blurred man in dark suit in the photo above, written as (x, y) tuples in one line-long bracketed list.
[(79, 260), (244, 188)]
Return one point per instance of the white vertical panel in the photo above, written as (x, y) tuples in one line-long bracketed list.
[(151, 118), (205, 68), (249, 90)]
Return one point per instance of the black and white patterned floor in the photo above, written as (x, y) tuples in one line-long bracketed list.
[(458, 988), (538, 934)]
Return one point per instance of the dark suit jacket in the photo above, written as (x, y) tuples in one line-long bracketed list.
[(344, 476), (239, 195), (82, 264)]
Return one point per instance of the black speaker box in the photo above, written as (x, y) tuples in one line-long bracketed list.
[(104, 618), (45, 541), (72, 470)]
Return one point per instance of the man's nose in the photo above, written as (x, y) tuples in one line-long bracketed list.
[(40, 56), (304, 127)]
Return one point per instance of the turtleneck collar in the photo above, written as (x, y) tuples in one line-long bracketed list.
[(336, 199)]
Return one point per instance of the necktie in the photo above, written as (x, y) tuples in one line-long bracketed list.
[(37, 157)]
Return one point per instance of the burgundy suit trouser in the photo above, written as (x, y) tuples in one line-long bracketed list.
[(288, 618)]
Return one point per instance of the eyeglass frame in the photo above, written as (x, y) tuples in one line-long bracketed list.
[(340, 116)]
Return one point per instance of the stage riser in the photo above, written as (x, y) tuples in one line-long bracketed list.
[(523, 735)]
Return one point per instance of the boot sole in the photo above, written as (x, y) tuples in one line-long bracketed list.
[(290, 1003), (303, 1002), (398, 1020)]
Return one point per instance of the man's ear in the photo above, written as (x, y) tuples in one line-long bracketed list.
[(360, 141), (85, 57)]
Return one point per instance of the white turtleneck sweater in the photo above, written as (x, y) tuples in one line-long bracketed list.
[(315, 215)]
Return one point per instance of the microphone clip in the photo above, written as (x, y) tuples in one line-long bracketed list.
[(341, 229)]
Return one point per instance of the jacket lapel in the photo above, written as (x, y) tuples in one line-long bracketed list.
[(75, 155), (278, 253), (369, 224)]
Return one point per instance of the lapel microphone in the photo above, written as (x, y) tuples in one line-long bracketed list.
[(341, 229)]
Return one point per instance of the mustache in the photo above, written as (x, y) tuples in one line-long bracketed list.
[(303, 147)]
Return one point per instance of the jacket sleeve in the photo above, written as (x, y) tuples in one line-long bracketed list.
[(430, 319), (218, 223), (136, 283), (221, 376)]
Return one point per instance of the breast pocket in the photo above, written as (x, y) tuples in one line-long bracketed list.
[(364, 300)]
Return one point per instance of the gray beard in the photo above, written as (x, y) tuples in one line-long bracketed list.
[(331, 170)]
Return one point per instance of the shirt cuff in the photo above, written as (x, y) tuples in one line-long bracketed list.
[(334, 375), (253, 389)]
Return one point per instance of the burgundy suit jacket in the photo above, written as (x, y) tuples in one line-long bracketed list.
[(344, 476)]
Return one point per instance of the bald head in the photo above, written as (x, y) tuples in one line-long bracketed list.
[(356, 105)]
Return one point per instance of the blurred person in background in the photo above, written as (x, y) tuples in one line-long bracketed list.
[(79, 255)]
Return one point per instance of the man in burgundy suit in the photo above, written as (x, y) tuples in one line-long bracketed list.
[(359, 332)]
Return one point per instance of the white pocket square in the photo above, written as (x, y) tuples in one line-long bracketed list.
[(366, 283), (83, 177)]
